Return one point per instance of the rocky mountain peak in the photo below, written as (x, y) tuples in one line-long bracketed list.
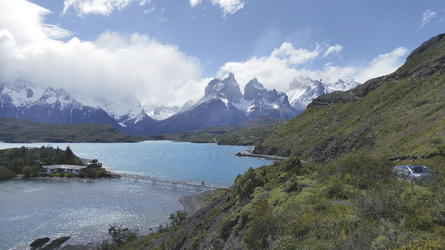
[(228, 89), (253, 89)]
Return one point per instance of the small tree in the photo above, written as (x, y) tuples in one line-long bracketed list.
[(69, 154), (177, 219), (5, 173), (121, 235), (26, 171)]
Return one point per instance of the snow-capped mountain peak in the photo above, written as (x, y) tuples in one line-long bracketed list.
[(227, 88), (253, 89)]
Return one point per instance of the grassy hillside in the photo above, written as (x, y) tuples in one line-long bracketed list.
[(17, 130), (401, 115), (344, 196), (248, 133)]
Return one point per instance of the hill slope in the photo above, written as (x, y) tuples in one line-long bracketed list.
[(349, 199), (401, 114)]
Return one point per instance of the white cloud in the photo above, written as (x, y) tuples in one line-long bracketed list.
[(276, 70), (193, 3), (25, 18), (148, 11), (229, 6), (97, 7), (382, 65), (110, 66), (295, 56), (427, 16), (284, 64), (333, 50), (144, 2)]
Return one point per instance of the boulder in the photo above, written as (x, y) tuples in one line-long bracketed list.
[(39, 242)]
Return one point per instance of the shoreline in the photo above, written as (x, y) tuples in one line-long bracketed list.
[(192, 202), (267, 157)]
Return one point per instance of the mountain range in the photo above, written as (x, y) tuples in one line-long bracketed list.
[(222, 104)]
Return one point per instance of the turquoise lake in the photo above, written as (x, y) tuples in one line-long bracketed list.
[(85, 209)]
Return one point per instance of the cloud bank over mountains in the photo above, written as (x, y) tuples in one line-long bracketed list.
[(135, 64), (286, 63)]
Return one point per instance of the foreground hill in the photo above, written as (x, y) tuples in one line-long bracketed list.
[(347, 197), (401, 114), (18, 130)]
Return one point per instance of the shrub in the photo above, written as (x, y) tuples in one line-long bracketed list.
[(262, 227), (26, 171), (245, 184), (178, 218), (5, 173), (363, 170), (292, 185), (121, 235), (380, 202)]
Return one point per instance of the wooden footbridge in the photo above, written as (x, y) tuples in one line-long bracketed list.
[(174, 182)]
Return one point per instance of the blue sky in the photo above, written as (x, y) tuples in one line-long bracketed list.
[(166, 51)]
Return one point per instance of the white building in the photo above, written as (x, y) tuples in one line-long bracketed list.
[(51, 169)]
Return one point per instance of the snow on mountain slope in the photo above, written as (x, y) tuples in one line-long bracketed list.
[(125, 110), (304, 89), (24, 100)]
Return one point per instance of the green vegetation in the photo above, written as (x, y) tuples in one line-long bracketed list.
[(344, 195), (352, 203), (27, 162), (251, 132), (17, 130), (5, 173), (402, 117)]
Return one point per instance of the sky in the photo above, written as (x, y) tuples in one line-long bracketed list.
[(164, 52)]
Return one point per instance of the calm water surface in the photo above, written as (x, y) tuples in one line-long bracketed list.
[(85, 210)]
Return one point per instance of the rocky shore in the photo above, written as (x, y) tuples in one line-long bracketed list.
[(267, 157)]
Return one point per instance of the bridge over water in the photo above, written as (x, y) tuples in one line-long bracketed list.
[(174, 182)]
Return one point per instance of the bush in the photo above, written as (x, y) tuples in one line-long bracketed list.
[(5, 173), (292, 185), (381, 202), (121, 235), (293, 165), (26, 171), (178, 218), (262, 227), (245, 184), (363, 170)]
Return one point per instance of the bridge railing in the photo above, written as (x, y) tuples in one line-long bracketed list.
[(174, 182)]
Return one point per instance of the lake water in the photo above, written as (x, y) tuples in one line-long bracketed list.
[(85, 209)]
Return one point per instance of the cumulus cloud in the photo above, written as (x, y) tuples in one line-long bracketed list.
[(426, 18), (382, 65), (111, 66), (284, 64)]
